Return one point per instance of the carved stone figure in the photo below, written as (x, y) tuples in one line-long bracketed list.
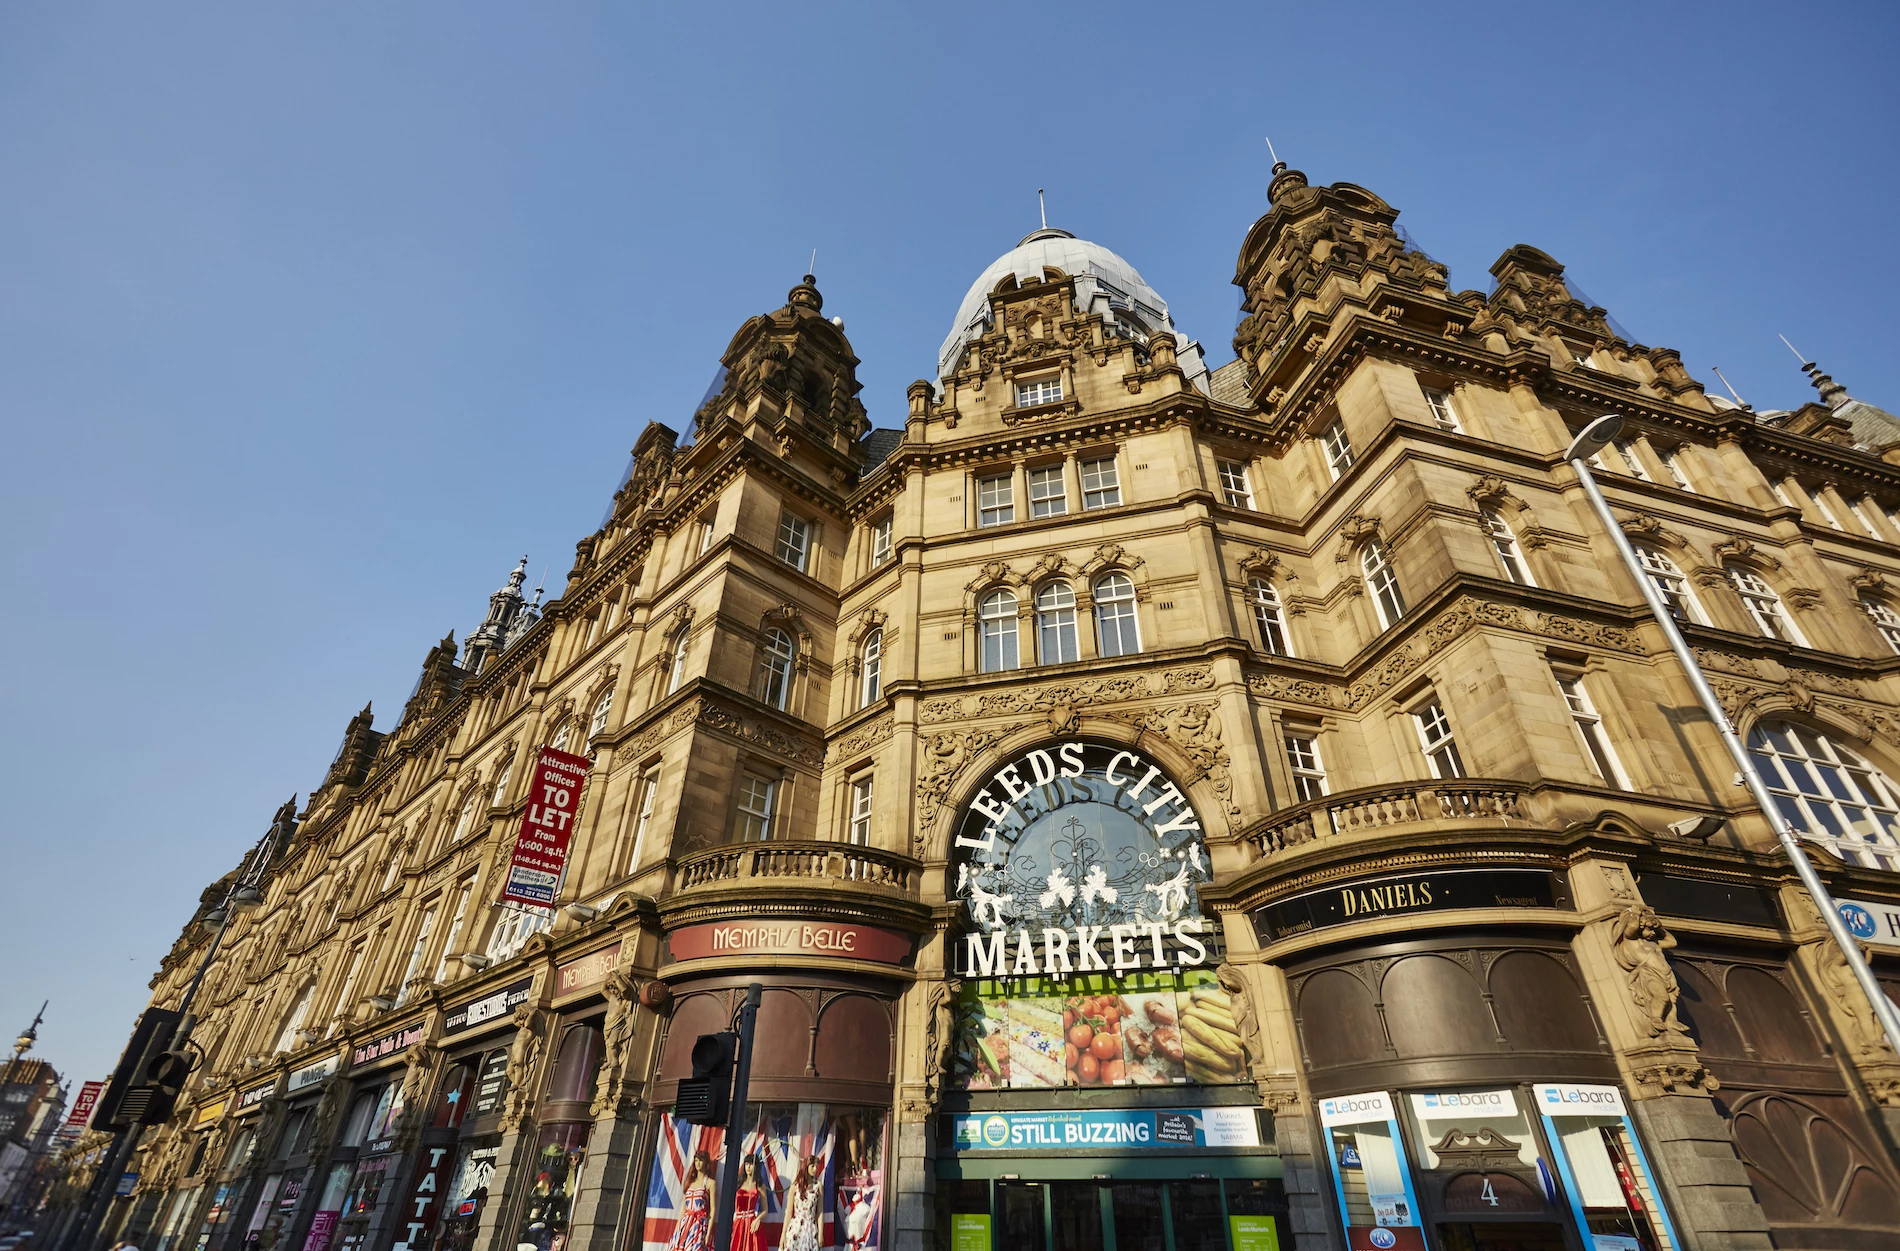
[(524, 1053), (942, 1017), (1863, 1031), (623, 1001), (1235, 985), (1641, 947)]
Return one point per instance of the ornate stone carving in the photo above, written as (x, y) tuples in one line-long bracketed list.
[(995, 573), (723, 720), (1805, 598), (1195, 729), (1863, 1031), (1670, 1075), (1354, 531), (612, 1090), (524, 1056), (1241, 999), (1641, 946), (865, 737), (941, 1012), (1742, 551), (1295, 690), (945, 756), (1076, 693), (1646, 529)]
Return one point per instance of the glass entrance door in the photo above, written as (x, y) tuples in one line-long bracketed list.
[(1191, 1215)]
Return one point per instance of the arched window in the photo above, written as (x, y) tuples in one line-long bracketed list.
[(1885, 619), (1381, 583), (996, 620), (872, 655), (677, 674), (467, 815), (601, 709), (501, 784), (1830, 792), (560, 735), (1267, 615), (775, 667), (1056, 640), (1670, 584), (1764, 606), (1504, 542), (1116, 632)]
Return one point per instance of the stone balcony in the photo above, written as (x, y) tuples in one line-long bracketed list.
[(1468, 803), (806, 876)]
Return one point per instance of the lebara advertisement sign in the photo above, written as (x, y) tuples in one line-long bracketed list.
[(1086, 958), (547, 826), (1871, 921)]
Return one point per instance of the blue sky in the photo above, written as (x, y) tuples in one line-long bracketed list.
[(314, 319)]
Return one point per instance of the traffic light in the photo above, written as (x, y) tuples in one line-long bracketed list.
[(704, 1097), (128, 1098)]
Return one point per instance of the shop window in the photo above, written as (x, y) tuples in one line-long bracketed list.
[(1830, 792), (243, 1146), (1101, 487), (453, 1100), (997, 625), (1056, 640), (466, 1195), (1381, 583), (1048, 497), (362, 1113), (572, 1079), (1268, 616), (1116, 631), (296, 1135), (1372, 1180), (366, 1188), (1606, 1177)]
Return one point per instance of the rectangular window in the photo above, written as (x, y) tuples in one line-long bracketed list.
[(995, 500), (1302, 756), (1864, 513), (1338, 448), (649, 796), (455, 929), (344, 1000), (880, 541), (755, 808), (1589, 723), (1827, 513), (1234, 487), (423, 931), (1434, 736), (860, 832), (1443, 413), (1672, 464), (1781, 493), (705, 538), (1101, 487), (1047, 496), (1631, 466), (1041, 391), (794, 540)]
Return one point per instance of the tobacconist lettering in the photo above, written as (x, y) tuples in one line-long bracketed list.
[(387, 1045)]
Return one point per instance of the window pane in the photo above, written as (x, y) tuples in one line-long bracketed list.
[(1046, 493), (1101, 488)]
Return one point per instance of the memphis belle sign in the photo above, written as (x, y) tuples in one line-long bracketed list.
[(1080, 857)]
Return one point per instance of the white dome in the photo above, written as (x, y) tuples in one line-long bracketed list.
[(1104, 283)]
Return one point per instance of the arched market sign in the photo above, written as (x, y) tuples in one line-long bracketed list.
[(1079, 858)]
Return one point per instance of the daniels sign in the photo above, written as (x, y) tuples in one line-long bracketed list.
[(1080, 857), (534, 874)]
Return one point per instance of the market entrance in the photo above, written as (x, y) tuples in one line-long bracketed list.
[(1116, 1213)]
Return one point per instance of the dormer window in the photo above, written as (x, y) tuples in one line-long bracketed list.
[(1581, 354), (1038, 391)]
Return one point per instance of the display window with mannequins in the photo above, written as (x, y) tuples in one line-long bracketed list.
[(812, 1179)]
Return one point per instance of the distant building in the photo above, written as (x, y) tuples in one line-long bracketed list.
[(1166, 806)]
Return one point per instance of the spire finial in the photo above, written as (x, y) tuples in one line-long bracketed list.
[(1730, 387), (1043, 208), (1278, 164), (1833, 394), (1795, 350), (811, 270)]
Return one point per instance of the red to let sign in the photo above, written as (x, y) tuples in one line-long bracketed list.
[(534, 874), (82, 1105)]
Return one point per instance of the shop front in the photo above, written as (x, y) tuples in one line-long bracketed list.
[(819, 1141), (365, 1163), (1098, 1091), (460, 1142)]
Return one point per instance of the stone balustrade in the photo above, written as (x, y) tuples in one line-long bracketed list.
[(1493, 802)]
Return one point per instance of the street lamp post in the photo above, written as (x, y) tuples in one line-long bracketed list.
[(1592, 440)]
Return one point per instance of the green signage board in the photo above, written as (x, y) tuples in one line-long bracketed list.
[(969, 1232), (1254, 1233)]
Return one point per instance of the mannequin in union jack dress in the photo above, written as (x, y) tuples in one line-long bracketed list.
[(694, 1230), (748, 1209)]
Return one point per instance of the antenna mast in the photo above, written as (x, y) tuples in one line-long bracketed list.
[(1729, 385), (1042, 208), (1278, 164)]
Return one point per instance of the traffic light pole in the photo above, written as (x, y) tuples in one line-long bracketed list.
[(735, 1120)]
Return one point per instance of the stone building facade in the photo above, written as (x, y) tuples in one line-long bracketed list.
[(1165, 807)]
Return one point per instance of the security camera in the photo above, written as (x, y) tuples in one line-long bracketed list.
[(1697, 829)]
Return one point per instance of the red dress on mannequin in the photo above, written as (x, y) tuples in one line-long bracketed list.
[(746, 1207)]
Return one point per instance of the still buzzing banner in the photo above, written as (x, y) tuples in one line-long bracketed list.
[(534, 873)]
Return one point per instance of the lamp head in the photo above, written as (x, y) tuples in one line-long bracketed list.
[(1594, 437)]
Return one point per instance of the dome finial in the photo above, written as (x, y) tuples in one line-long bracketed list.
[(1284, 179), (1042, 208), (1833, 394)]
